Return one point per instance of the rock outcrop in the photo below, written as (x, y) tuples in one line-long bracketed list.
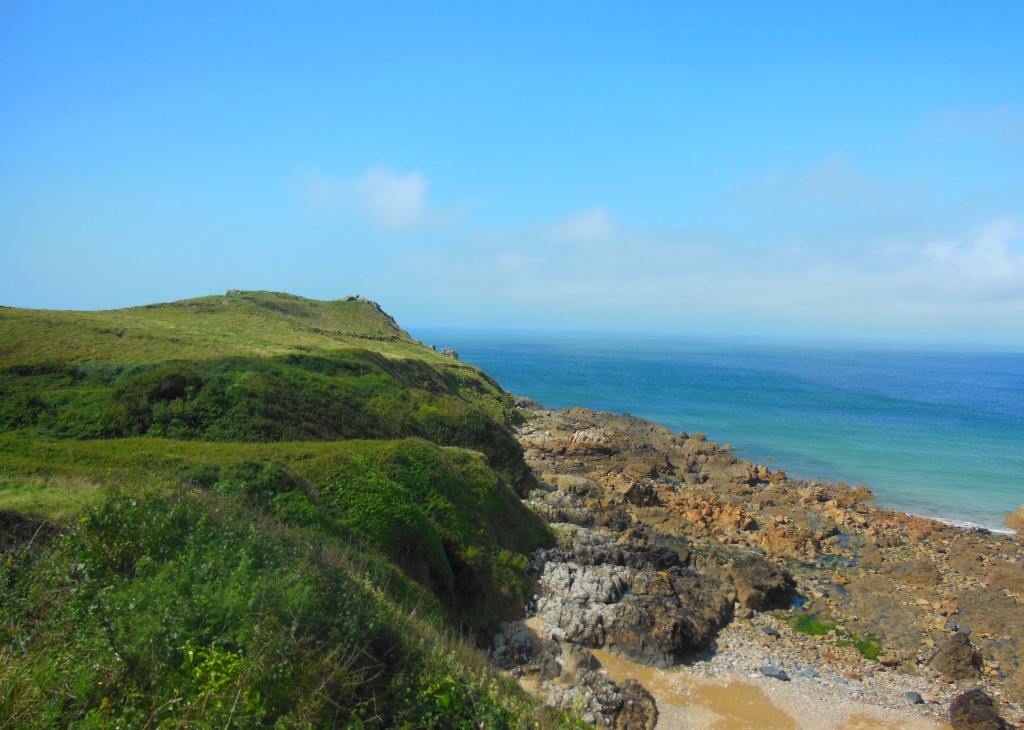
[(629, 595), (666, 538), (1015, 520), (569, 677)]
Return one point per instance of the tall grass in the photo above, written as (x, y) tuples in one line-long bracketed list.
[(181, 608)]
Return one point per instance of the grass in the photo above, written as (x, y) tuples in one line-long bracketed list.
[(259, 510), (287, 369), (254, 510), (249, 323), (58, 498), (443, 514)]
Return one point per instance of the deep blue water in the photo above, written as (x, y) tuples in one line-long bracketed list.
[(932, 432)]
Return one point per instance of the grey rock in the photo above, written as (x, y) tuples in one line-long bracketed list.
[(770, 670), (625, 593), (512, 646), (576, 659), (914, 698)]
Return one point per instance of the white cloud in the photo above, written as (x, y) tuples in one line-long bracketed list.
[(587, 226), (965, 286), (385, 199), (392, 200), (825, 250), (984, 257)]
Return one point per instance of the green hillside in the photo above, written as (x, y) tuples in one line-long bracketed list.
[(253, 509)]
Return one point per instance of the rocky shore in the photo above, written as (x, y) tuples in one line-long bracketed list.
[(672, 552)]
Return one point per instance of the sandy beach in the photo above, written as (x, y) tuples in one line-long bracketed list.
[(702, 697)]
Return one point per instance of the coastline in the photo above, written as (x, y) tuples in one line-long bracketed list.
[(967, 525), (848, 600), (933, 433)]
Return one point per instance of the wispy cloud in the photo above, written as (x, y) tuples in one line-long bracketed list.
[(586, 226), (385, 199), (1001, 124)]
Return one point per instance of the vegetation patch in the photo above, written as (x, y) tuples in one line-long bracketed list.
[(869, 647), (183, 608)]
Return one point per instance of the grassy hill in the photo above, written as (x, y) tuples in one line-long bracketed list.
[(253, 509)]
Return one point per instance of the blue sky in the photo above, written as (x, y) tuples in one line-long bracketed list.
[(771, 169)]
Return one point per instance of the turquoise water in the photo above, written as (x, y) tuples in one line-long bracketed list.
[(936, 433)]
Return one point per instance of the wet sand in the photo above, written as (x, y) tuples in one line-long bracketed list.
[(688, 701)]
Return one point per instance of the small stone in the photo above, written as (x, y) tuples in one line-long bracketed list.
[(887, 660), (810, 673), (774, 672), (914, 698)]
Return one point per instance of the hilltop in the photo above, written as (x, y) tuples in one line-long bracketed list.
[(254, 509)]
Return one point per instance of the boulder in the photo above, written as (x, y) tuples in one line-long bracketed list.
[(956, 658), (761, 584), (974, 710), (639, 711), (1015, 520)]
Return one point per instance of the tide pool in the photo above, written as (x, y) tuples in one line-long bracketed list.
[(933, 432)]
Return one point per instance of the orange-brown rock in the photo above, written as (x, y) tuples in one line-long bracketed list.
[(908, 581), (1015, 520)]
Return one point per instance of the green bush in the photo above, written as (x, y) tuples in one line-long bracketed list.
[(348, 394), (182, 608)]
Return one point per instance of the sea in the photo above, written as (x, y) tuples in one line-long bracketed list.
[(933, 431)]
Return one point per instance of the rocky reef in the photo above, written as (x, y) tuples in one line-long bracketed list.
[(671, 550)]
